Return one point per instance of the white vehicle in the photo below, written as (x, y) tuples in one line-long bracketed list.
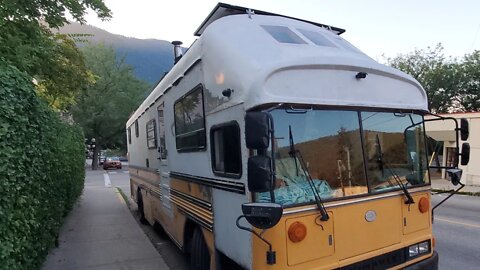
[(284, 123)]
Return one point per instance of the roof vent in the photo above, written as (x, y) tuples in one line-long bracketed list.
[(177, 50)]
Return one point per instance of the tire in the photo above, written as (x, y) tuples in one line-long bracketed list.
[(141, 211), (199, 255)]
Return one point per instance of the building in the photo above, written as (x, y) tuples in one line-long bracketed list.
[(444, 135)]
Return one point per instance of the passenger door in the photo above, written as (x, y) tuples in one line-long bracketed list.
[(163, 156)]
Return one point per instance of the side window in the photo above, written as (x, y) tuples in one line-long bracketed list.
[(226, 150), (136, 128), (161, 132), (129, 135), (151, 134), (190, 121)]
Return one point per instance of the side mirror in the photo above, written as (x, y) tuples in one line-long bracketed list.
[(465, 154), (257, 130), (262, 215), (455, 176), (260, 174), (464, 129)]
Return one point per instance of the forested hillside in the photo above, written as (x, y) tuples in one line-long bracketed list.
[(150, 58)]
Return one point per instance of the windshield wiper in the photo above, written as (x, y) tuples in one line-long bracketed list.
[(381, 164), (296, 154)]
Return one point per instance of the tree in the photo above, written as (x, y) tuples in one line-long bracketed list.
[(103, 109), (452, 85), (65, 75), (468, 96), (27, 43), (438, 76), (52, 12)]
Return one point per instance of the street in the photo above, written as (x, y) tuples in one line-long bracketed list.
[(456, 228), (457, 231)]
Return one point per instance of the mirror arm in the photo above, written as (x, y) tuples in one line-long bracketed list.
[(271, 255), (452, 192), (409, 127)]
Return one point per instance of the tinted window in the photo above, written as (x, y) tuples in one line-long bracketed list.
[(226, 155), (283, 34), (190, 122), (316, 38), (129, 135), (151, 134), (136, 128)]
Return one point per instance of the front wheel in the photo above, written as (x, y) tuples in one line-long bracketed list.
[(199, 255)]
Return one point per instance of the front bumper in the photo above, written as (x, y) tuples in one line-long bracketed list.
[(112, 165), (427, 264)]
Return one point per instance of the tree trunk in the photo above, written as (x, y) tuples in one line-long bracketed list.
[(96, 150)]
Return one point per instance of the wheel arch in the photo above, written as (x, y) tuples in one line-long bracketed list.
[(188, 230)]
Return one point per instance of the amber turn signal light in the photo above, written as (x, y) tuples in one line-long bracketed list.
[(423, 205), (297, 232)]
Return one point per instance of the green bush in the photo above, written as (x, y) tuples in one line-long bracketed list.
[(41, 172)]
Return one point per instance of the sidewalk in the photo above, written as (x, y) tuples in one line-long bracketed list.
[(101, 233), (442, 184)]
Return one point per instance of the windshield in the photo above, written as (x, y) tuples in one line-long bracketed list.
[(333, 144)]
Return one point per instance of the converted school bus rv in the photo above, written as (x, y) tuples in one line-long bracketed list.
[(273, 143)]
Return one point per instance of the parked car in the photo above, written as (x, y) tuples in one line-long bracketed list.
[(112, 162)]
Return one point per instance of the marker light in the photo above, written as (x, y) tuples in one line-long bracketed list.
[(423, 205), (297, 232)]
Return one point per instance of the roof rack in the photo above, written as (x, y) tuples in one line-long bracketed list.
[(221, 10)]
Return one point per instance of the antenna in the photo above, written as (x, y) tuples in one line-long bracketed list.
[(250, 12)]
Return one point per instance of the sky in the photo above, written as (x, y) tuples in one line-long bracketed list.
[(378, 28)]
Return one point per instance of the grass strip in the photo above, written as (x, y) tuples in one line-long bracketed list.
[(124, 196)]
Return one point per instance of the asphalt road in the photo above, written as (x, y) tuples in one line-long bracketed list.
[(457, 231), (456, 228)]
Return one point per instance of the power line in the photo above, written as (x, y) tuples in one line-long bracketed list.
[(475, 38)]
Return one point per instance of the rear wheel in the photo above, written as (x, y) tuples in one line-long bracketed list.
[(199, 255), (141, 211)]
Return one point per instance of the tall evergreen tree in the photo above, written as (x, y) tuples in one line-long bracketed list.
[(103, 109)]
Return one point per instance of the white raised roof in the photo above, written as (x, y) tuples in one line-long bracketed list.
[(263, 70)]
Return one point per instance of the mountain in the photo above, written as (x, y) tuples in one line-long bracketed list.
[(150, 58)]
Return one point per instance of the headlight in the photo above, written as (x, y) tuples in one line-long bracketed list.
[(418, 249), (424, 247), (413, 251)]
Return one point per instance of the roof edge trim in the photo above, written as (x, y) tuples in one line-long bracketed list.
[(222, 10)]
